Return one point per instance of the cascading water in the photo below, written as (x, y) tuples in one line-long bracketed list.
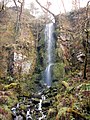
[(32, 110), (50, 48), (36, 107)]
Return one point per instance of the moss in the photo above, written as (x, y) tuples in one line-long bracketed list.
[(62, 111), (66, 113), (8, 98), (58, 71), (1, 86), (5, 113), (3, 100), (23, 107), (12, 86), (52, 112), (26, 94), (65, 84), (26, 85), (12, 101)]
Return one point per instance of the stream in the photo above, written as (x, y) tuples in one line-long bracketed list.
[(32, 111), (36, 106)]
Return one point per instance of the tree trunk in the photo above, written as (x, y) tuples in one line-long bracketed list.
[(86, 45)]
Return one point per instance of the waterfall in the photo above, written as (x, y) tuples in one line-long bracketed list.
[(50, 56)]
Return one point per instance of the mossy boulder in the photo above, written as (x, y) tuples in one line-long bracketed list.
[(26, 94), (35, 100), (12, 86), (46, 103), (23, 107)]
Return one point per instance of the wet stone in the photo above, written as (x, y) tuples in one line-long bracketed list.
[(46, 103)]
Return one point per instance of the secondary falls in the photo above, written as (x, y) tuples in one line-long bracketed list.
[(50, 50)]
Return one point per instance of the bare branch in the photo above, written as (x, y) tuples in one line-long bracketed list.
[(2, 6), (15, 3), (63, 6), (46, 9), (21, 9)]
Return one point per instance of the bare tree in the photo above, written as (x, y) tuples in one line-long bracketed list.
[(19, 12), (21, 8), (46, 9), (3, 4)]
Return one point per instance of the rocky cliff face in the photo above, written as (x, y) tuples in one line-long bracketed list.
[(72, 37), (17, 50)]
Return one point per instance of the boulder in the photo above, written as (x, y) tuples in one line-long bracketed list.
[(35, 100), (46, 103)]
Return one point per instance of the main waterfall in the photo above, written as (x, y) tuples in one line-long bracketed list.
[(50, 49)]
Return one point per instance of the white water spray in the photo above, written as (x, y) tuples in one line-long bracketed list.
[(28, 115)]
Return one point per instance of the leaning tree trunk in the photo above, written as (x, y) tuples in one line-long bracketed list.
[(86, 45)]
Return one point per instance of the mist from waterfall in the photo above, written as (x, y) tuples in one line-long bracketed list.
[(49, 50)]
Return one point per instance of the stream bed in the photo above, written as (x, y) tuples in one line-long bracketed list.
[(35, 107), (29, 109)]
